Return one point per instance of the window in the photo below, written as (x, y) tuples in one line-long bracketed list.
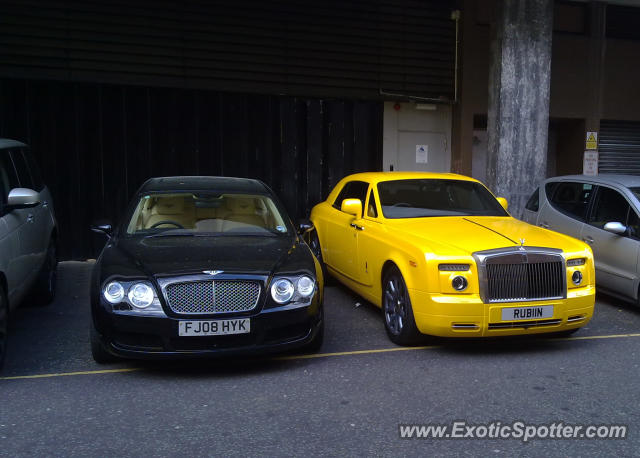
[(8, 179), (633, 225), (21, 167), (609, 206), (533, 203), (352, 190), (205, 213), (372, 208), (572, 198), (436, 197)]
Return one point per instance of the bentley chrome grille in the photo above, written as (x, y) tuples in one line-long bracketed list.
[(209, 297), (522, 274)]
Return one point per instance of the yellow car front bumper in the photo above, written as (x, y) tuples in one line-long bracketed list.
[(467, 316)]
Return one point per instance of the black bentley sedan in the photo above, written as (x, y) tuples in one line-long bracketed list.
[(204, 266)]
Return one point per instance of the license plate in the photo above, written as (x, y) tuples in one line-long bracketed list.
[(527, 313), (214, 328)]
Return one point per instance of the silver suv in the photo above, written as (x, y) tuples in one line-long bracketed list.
[(28, 258), (602, 211)]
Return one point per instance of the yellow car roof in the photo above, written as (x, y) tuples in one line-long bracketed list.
[(376, 177)]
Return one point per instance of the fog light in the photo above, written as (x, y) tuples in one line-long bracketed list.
[(459, 283), (576, 278)]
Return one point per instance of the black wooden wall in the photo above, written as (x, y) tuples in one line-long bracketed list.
[(96, 143), (316, 48)]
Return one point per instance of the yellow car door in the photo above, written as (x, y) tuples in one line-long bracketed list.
[(342, 234)]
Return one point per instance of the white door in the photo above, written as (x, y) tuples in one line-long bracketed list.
[(417, 137)]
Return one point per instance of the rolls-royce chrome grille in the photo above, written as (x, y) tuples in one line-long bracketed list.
[(209, 297), (515, 282), (523, 274)]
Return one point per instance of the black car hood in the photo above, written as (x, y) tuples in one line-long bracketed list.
[(166, 256)]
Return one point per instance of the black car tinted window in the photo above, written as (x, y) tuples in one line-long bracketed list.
[(533, 203), (8, 178), (609, 206), (21, 167), (352, 190), (572, 198), (34, 170)]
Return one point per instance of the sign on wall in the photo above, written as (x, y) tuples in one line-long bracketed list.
[(422, 154), (591, 142), (590, 163)]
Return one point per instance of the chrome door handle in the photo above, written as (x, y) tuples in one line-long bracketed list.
[(358, 228), (30, 218), (588, 239), (544, 225)]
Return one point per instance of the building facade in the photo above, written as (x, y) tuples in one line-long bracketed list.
[(297, 94)]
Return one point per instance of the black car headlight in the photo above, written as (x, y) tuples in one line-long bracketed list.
[(113, 292), (292, 289), (132, 297)]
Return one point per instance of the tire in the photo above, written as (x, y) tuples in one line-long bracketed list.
[(316, 249), (397, 312), (316, 343), (4, 324), (45, 286), (100, 355)]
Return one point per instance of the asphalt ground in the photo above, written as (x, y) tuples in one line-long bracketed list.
[(347, 400)]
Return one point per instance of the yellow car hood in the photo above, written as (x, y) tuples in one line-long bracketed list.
[(465, 235)]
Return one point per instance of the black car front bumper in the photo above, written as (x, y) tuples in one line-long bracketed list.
[(143, 337)]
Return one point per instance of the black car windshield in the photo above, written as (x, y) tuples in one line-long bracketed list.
[(193, 214), (436, 197)]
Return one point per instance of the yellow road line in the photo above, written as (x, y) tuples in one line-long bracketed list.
[(354, 352), (300, 357), (611, 336), (66, 374)]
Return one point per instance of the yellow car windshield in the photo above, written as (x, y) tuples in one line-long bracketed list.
[(436, 197)]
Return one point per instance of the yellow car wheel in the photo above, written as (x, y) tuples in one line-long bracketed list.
[(396, 309)]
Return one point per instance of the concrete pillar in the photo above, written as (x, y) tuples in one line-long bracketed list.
[(597, 50), (518, 115)]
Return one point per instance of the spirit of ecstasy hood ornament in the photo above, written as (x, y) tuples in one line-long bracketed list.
[(522, 244)]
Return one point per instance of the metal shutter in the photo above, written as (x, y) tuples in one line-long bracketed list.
[(619, 147)]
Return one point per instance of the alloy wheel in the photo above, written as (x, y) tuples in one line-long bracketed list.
[(395, 304)]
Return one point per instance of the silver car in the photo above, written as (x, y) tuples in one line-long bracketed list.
[(602, 211), (28, 260)]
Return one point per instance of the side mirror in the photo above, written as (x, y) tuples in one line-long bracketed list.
[(352, 207), (615, 227), (503, 202), (103, 227), (304, 226), (22, 198)]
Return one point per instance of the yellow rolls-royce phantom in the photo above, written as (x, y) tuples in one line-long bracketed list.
[(441, 256)]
